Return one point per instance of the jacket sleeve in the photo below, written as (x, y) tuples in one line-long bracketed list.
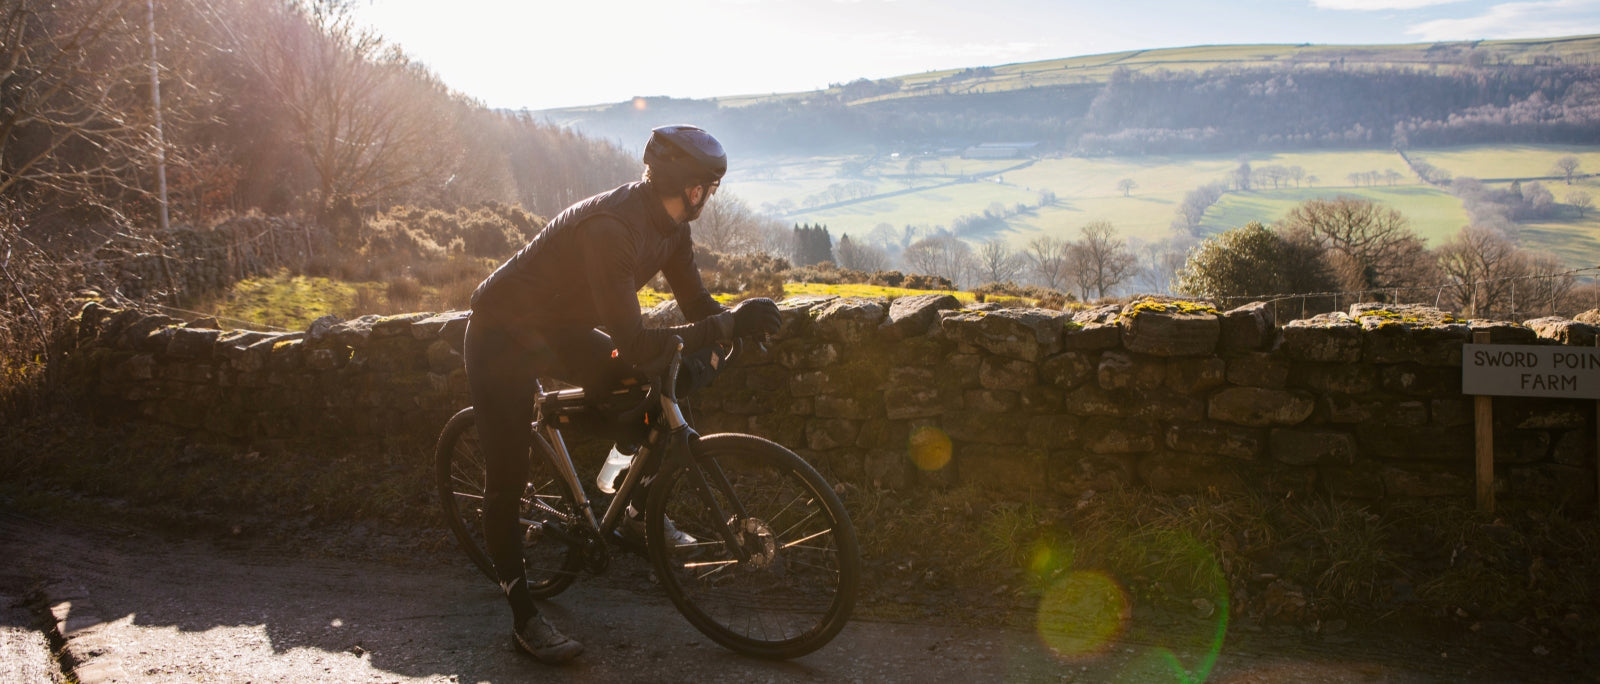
[(609, 258), (684, 279)]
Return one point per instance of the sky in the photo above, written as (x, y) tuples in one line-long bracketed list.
[(543, 54)]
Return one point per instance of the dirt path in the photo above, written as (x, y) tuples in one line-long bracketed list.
[(141, 606)]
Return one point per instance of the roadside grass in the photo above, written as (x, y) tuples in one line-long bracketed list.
[(291, 302), (1267, 559)]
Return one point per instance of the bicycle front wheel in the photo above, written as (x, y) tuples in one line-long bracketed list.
[(787, 585), (548, 506)]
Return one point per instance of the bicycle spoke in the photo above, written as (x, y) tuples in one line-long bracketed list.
[(807, 538)]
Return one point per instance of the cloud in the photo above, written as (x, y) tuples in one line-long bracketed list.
[(1544, 19), (1377, 5)]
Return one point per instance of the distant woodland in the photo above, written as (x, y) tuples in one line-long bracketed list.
[(1165, 112)]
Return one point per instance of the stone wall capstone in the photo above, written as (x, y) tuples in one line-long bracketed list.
[(1365, 403)]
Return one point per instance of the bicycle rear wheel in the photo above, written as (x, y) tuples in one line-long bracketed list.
[(796, 590), (548, 504)]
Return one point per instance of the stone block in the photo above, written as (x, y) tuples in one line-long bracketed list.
[(823, 434), (1170, 407), (888, 469), (1038, 399), (450, 326), (1025, 334), (1067, 370), (998, 428), (1573, 448), (1247, 328), (1259, 407), (1329, 338), (849, 320), (1564, 331), (990, 401), (1452, 412), (1090, 400), (1190, 376), (960, 370), (1334, 378), (839, 407), (192, 343), (1501, 332), (1427, 442), (1592, 317), (1000, 373), (912, 402), (1418, 380), (912, 316), (809, 383), (1092, 337), (1258, 369), (1052, 432), (918, 351), (802, 355), (1312, 447), (1218, 440), (1521, 446), (1170, 333), (1118, 437), (442, 358), (779, 427), (1123, 371)]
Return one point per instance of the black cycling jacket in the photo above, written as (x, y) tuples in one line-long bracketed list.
[(585, 270)]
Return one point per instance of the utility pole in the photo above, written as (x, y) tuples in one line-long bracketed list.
[(155, 103)]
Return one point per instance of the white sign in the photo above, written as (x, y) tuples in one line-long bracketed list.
[(1515, 370)]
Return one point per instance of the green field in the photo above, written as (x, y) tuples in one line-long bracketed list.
[(1434, 214), (1086, 190), (1509, 161)]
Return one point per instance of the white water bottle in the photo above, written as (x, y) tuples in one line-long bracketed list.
[(616, 462)]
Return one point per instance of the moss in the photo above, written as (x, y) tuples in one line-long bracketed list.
[(1178, 306)]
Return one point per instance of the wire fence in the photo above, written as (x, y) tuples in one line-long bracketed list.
[(1562, 292)]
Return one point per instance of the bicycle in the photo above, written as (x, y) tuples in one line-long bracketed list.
[(774, 565)]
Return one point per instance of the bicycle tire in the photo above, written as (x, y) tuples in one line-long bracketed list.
[(460, 476), (797, 590)]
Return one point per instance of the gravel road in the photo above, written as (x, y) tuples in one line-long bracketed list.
[(136, 605)]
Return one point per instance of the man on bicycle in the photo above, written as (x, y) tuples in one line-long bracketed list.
[(536, 316)]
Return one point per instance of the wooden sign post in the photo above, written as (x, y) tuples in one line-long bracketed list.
[(1514, 370), (1483, 420)]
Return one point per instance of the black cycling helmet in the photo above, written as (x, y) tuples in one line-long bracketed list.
[(687, 155)]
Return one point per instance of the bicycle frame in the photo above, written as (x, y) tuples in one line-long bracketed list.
[(659, 445)]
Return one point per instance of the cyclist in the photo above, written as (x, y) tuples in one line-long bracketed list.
[(537, 314)]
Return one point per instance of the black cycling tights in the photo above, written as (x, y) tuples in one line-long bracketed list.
[(502, 375)]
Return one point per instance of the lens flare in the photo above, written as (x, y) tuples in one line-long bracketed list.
[(930, 448), (640, 104), (1082, 613)]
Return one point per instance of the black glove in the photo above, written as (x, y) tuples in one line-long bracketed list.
[(758, 316)]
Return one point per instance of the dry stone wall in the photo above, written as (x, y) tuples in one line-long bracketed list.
[(920, 392)]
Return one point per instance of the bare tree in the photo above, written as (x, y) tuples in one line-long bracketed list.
[(352, 98), (1580, 201), (942, 255), (71, 119), (1159, 263), (1568, 167), (996, 263), (1476, 264), (1101, 261), (1046, 257), (1126, 185), (1547, 288), (728, 225), (860, 255), (1370, 246)]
